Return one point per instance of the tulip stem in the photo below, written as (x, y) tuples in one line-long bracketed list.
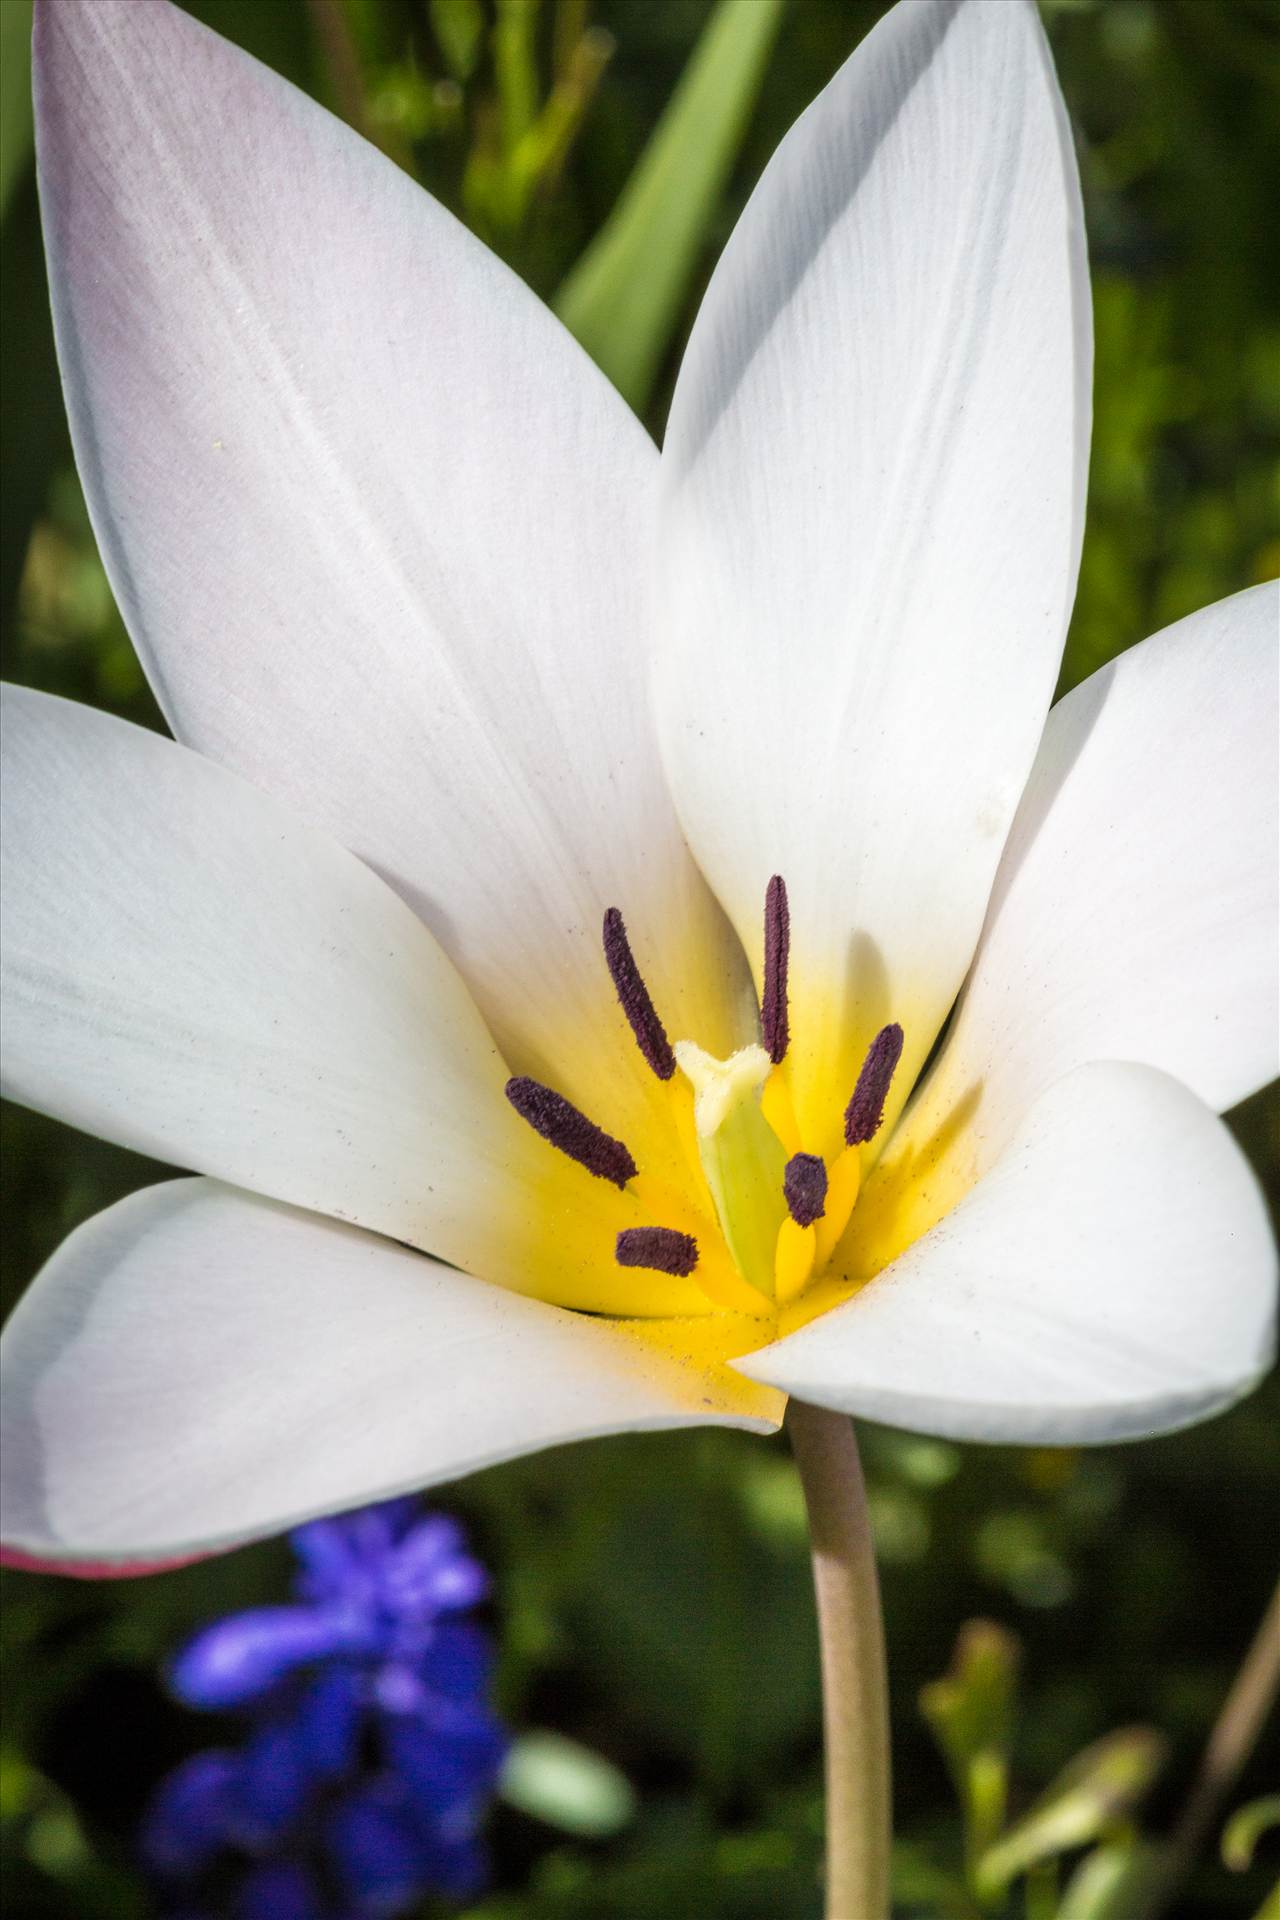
[(855, 1694)]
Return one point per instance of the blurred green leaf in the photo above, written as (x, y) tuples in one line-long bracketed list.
[(459, 27), (567, 1786), (46, 1848), (1040, 1896), (521, 141), (1110, 1883), (919, 1882), (516, 67), (971, 1713), (623, 298), (704, 1628), (1245, 1828), (1094, 1791), (15, 94), (971, 1708)]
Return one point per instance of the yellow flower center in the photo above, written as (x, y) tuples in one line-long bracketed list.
[(760, 1216)]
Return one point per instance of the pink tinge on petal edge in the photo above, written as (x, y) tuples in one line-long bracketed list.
[(95, 1569)]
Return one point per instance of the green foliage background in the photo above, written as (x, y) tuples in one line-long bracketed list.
[(652, 1594)]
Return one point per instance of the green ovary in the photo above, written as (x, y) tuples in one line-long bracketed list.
[(741, 1155)]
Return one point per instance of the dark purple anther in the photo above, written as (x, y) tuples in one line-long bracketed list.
[(660, 1248), (559, 1121), (633, 997), (804, 1184), (865, 1111), (774, 1029)]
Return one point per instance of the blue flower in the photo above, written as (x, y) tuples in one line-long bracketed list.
[(371, 1751)]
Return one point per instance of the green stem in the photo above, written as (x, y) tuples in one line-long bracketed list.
[(855, 1695)]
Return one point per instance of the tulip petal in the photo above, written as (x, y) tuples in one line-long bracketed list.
[(376, 524), (1135, 912), (1112, 1276), (873, 497), (193, 972), (196, 1368)]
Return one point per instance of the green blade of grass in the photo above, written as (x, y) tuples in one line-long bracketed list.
[(622, 300), (15, 94)]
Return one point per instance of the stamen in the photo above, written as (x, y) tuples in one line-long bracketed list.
[(774, 1028), (633, 997), (660, 1248), (865, 1110), (804, 1183), (560, 1122)]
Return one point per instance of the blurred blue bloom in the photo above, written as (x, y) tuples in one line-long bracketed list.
[(371, 1751)]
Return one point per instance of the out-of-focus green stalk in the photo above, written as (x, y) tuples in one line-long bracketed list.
[(515, 67), (568, 27), (458, 26), (543, 151), (521, 143), (15, 94), (623, 298)]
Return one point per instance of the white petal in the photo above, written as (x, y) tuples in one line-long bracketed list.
[(873, 500), (194, 1368), (1135, 913), (376, 524), (1112, 1276), (191, 971)]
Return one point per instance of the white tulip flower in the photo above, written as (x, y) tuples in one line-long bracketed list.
[(516, 766)]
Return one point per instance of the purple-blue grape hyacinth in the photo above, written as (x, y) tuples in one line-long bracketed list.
[(371, 1751)]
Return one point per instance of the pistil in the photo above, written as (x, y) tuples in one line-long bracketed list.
[(741, 1156)]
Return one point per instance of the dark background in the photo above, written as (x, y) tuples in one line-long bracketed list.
[(652, 1594)]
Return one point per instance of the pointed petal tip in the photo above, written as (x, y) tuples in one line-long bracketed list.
[(953, 431), (192, 198)]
